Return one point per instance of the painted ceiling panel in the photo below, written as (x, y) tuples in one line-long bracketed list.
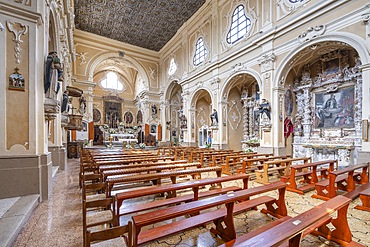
[(146, 23)]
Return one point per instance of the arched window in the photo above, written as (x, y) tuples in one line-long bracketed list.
[(112, 82), (200, 52), (240, 25), (295, 1)]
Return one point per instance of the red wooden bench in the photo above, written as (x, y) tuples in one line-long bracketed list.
[(314, 221), (138, 165), (344, 179), (365, 199), (171, 190), (280, 167), (156, 177), (309, 173), (222, 217), (232, 161), (251, 164)]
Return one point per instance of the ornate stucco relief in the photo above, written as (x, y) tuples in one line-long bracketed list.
[(18, 29)]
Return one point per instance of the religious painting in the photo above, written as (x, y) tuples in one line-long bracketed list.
[(16, 81), (96, 115), (139, 117), (288, 102), (128, 117), (113, 113), (331, 66), (335, 110), (153, 128)]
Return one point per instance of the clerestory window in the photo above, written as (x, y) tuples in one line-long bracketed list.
[(240, 25), (200, 52), (112, 82)]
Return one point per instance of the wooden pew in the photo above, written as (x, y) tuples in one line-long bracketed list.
[(114, 235), (156, 177), (282, 167), (309, 175), (171, 190), (136, 160), (343, 179), (149, 169), (232, 161), (220, 159), (223, 217), (138, 165), (252, 164), (365, 199), (206, 157), (291, 231)]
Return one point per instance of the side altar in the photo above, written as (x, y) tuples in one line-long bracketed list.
[(328, 94)]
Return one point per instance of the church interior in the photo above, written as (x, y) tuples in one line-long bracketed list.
[(184, 123)]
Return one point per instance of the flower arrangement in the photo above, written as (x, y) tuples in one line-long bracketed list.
[(248, 150), (130, 131), (105, 126), (134, 127), (121, 124), (112, 131), (142, 145), (128, 145)]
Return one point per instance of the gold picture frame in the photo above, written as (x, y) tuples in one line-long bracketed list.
[(365, 129)]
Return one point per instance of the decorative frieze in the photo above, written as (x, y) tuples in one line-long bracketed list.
[(267, 62)]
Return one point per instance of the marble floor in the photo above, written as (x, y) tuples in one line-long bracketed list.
[(58, 221)]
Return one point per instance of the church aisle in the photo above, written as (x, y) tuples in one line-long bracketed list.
[(58, 222)]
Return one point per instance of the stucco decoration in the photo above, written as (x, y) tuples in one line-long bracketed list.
[(82, 56), (235, 116), (18, 29), (2, 28), (25, 2), (311, 33), (148, 24)]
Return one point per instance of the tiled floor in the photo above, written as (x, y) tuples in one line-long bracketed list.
[(58, 222)]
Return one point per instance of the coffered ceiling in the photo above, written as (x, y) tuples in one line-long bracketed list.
[(146, 23)]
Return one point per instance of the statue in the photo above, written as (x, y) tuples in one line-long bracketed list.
[(265, 108), (65, 102), (53, 74), (82, 108), (214, 118)]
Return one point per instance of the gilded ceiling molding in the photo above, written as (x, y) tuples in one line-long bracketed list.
[(18, 32)]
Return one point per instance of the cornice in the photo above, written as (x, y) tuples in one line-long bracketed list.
[(19, 13)]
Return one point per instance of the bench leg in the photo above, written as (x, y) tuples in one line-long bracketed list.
[(365, 199), (228, 232), (277, 208), (341, 234)]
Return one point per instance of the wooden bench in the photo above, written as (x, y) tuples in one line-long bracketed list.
[(171, 190), (220, 159), (206, 157), (149, 169), (232, 161), (136, 160), (222, 217), (280, 167), (365, 198), (156, 177), (314, 221), (343, 179), (252, 164), (112, 236), (138, 165), (309, 173)]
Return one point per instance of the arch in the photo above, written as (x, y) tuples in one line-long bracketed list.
[(195, 94), (169, 88), (228, 85), (353, 40), (95, 63)]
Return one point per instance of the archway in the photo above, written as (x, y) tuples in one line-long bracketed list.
[(323, 102), (201, 104), (240, 95), (175, 116)]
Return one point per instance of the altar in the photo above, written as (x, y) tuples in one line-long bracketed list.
[(120, 139), (343, 152)]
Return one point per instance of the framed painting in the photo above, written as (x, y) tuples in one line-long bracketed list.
[(335, 110)]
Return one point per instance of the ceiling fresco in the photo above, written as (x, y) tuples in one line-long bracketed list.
[(146, 23)]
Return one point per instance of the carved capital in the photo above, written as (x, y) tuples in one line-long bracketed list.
[(267, 61)]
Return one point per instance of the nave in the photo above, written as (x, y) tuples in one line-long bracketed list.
[(58, 221)]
